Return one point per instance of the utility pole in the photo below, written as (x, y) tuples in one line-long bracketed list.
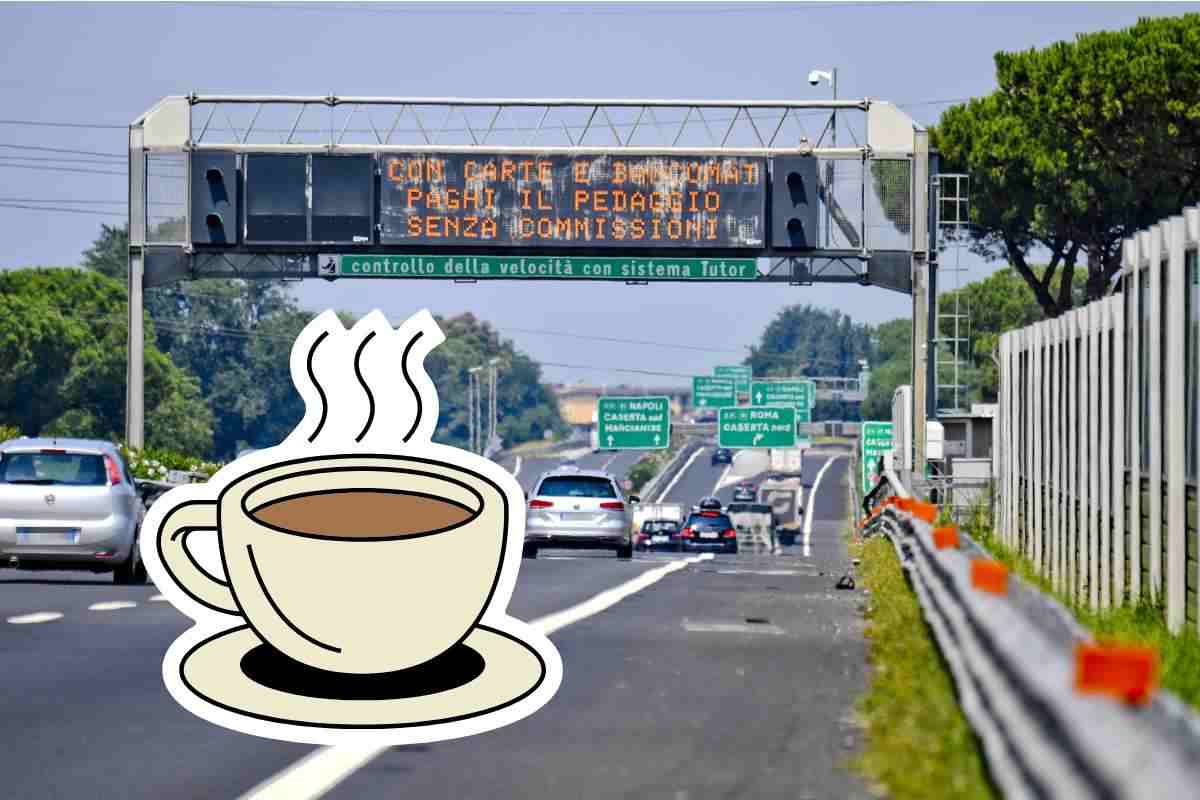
[(474, 395), (493, 408)]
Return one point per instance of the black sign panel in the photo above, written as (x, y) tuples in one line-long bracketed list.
[(586, 201)]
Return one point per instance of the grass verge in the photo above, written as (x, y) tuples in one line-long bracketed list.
[(1142, 624), (918, 743)]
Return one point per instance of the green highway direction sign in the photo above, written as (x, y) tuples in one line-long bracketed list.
[(738, 374), (633, 423), (876, 440), (796, 394), (756, 426), (713, 392), (485, 267)]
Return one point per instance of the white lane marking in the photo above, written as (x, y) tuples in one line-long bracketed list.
[(610, 597), (158, 598), (679, 475), (35, 617), (517, 467), (808, 522), (321, 770), (112, 605), (606, 464), (721, 480)]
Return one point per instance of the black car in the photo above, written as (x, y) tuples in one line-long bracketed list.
[(744, 493), (659, 534), (709, 530), (722, 455)]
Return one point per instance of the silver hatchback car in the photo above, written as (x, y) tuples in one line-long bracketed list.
[(574, 508), (69, 504)]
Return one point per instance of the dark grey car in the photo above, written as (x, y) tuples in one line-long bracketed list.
[(69, 504)]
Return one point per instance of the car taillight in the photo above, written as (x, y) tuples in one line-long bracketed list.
[(686, 533), (114, 472), (729, 533), (614, 506), (540, 504)]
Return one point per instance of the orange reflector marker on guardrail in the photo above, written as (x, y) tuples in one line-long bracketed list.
[(1128, 673), (989, 576), (945, 537), (923, 511)]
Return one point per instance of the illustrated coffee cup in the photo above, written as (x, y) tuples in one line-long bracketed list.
[(351, 564)]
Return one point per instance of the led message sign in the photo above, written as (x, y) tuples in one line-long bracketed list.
[(584, 201)]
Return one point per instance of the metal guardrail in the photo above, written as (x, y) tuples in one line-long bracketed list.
[(1011, 656)]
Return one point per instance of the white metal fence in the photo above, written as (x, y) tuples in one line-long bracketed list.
[(1099, 434)]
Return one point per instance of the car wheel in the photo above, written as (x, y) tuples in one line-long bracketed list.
[(625, 551), (529, 551), (126, 574)]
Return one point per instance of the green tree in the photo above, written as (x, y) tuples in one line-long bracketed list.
[(804, 340), (109, 254), (525, 406), (1082, 144), (63, 335), (891, 367)]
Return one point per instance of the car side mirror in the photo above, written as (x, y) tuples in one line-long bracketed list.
[(633, 498)]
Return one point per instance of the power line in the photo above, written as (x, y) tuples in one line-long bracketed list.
[(59, 210), (62, 169), (68, 150), (41, 124), (66, 200), (540, 332), (490, 9)]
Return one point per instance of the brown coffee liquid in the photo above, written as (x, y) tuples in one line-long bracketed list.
[(362, 514)]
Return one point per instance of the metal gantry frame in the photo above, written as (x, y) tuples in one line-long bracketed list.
[(161, 140)]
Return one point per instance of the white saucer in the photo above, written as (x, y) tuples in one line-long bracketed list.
[(489, 671)]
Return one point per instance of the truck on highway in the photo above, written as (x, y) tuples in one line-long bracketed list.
[(784, 496), (787, 461)]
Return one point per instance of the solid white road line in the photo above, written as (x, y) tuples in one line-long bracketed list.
[(112, 605), (809, 513), (35, 617), (517, 467), (606, 464), (721, 480), (679, 475), (157, 598), (321, 770)]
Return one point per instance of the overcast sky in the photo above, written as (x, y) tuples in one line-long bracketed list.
[(104, 64)]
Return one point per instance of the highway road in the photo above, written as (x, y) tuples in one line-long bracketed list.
[(731, 677)]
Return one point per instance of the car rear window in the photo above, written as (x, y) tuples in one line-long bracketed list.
[(660, 527), (706, 522), (60, 469), (576, 486)]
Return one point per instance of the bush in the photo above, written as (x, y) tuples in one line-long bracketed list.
[(8, 432), (153, 463)]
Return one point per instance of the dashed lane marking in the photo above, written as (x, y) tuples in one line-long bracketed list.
[(112, 605), (35, 617), (322, 769), (731, 627), (158, 598)]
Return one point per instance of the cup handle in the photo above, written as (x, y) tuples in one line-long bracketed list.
[(178, 562)]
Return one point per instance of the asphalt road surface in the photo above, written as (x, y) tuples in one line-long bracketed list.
[(731, 677)]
